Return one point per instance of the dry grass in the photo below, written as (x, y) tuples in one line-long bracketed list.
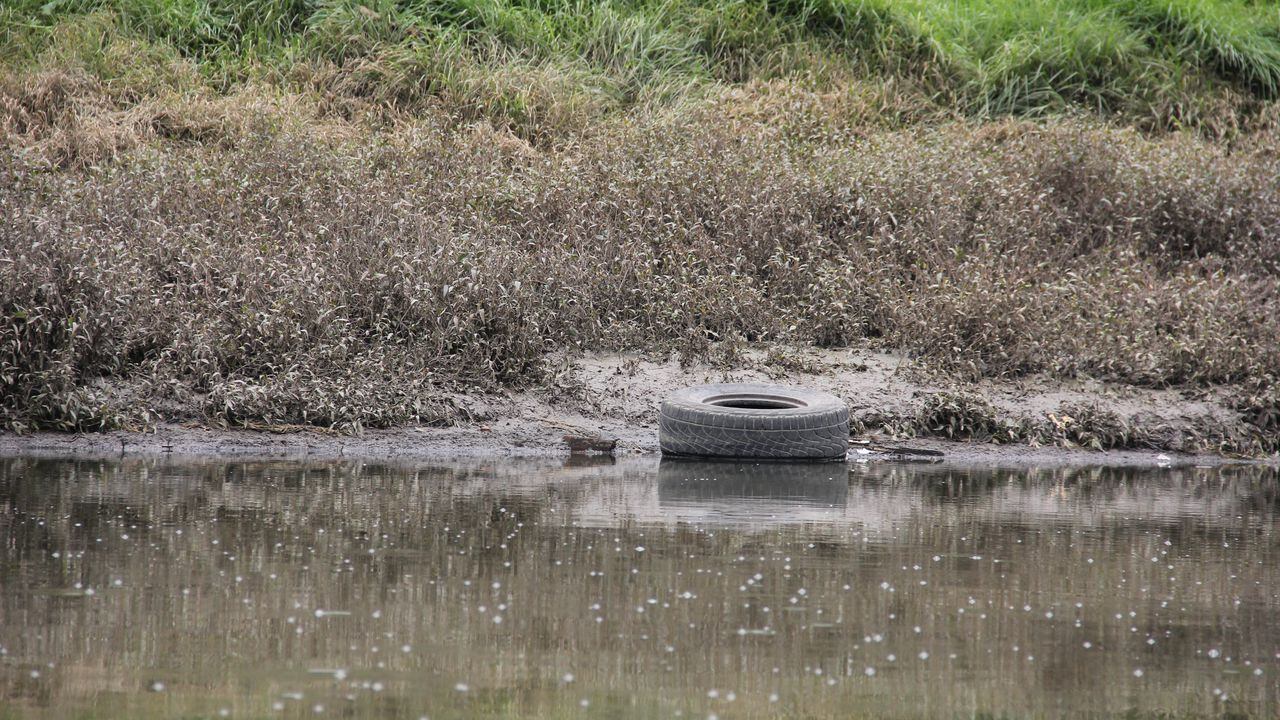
[(280, 271)]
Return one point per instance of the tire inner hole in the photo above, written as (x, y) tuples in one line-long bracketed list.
[(755, 402)]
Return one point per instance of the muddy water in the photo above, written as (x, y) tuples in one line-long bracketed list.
[(161, 589)]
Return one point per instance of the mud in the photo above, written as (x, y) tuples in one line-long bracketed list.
[(616, 396)]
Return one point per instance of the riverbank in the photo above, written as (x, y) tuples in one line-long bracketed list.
[(1033, 421), (411, 230)]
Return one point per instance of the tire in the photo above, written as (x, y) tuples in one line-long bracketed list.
[(759, 422)]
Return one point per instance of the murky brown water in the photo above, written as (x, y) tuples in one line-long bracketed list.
[(157, 589)]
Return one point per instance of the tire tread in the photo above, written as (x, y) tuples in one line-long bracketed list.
[(819, 431)]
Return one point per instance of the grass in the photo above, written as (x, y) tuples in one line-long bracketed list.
[(1208, 64)]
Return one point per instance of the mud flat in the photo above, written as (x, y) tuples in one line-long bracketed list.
[(615, 396)]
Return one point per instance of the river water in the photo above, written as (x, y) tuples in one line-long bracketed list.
[(642, 589)]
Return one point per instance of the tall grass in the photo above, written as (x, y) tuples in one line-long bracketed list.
[(1162, 62)]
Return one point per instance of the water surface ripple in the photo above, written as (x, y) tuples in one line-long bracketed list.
[(153, 588)]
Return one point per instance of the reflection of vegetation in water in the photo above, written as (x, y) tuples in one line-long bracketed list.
[(225, 565)]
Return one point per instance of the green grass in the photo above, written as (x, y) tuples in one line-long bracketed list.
[(1163, 63)]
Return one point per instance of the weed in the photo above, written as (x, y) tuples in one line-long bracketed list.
[(962, 416), (296, 259), (1084, 425), (1259, 404)]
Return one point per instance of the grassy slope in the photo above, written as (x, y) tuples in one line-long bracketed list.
[(531, 63), (331, 213)]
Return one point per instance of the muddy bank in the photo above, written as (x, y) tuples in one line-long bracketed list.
[(521, 439), (616, 396)]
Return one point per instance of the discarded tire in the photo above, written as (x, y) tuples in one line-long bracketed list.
[(754, 421)]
